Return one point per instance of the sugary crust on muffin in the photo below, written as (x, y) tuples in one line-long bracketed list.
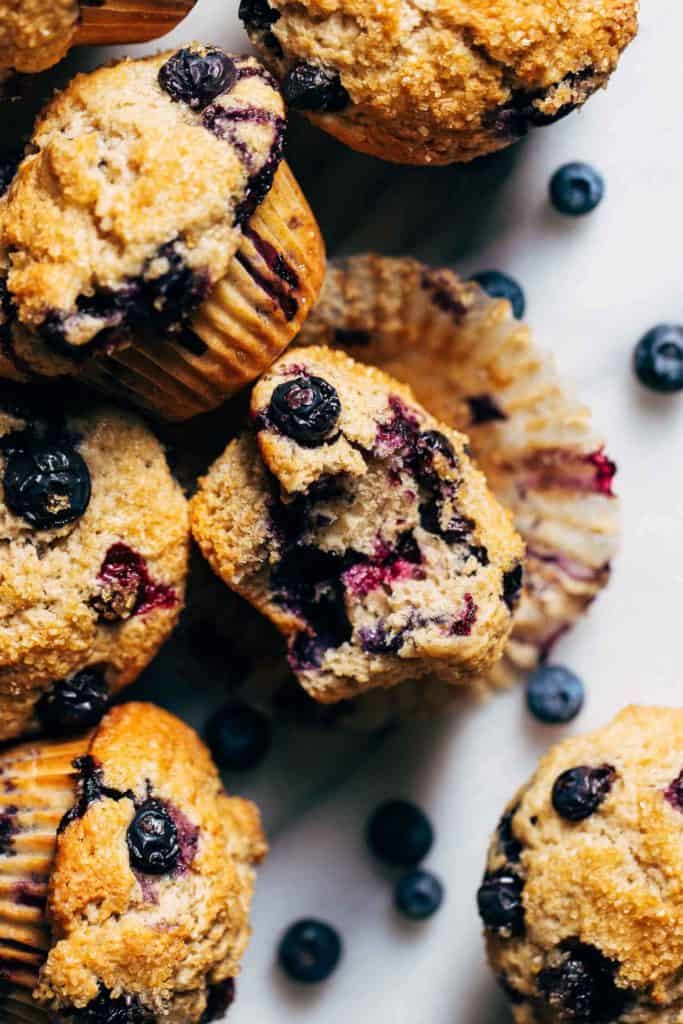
[(166, 939), (234, 519), (612, 881), (117, 170), (445, 81), (35, 34), (49, 628), (476, 368)]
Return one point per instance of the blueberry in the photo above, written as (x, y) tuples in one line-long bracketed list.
[(239, 736), (306, 409), (427, 445), (510, 845), (576, 189), (502, 286), (104, 1009), (74, 704), (554, 694), (47, 483), (400, 833), (9, 164), (257, 14), (500, 904), (152, 839), (658, 359), (310, 951), (512, 586), (172, 296), (311, 87), (581, 987), (418, 895), (197, 78), (578, 792), (220, 998)]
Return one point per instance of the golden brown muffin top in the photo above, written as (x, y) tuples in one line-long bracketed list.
[(128, 204), (35, 34)]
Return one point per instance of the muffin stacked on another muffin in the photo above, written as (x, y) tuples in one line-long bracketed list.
[(127, 876), (93, 564), (357, 523), (152, 241), (439, 82), (582, 898)]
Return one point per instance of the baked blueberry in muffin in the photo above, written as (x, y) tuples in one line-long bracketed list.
[(583, 913), (442, 82), (358, 524), (93, 560), (128, 876)]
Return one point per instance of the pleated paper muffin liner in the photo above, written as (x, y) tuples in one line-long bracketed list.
[(37, 788), (250, 317)]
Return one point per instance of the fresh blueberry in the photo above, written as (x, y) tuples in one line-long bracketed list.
[(239, 737), (74, 704), (400, 833), (197, 78), (658, 359), (576, 189), (47, 483), (500, 904), (418, 895), (306, 409), (502, 286), (578, 792), (104, 1009), (554, 694), (310, 951), (311, 87), (581, 987), (257, 14), (152, 838)]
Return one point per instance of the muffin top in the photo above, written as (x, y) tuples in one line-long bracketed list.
[(152, 878), (93, 560), (128, 204), (35, 34), (583, 899), (442, 81)]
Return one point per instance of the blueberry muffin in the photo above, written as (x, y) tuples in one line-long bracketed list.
[(128, 874), (443, 82), (581, 900), (479, 370), (92, 565), (357, 523), (139, 249)]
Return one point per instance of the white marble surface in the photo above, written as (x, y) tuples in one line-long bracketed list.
[(593, 287)]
